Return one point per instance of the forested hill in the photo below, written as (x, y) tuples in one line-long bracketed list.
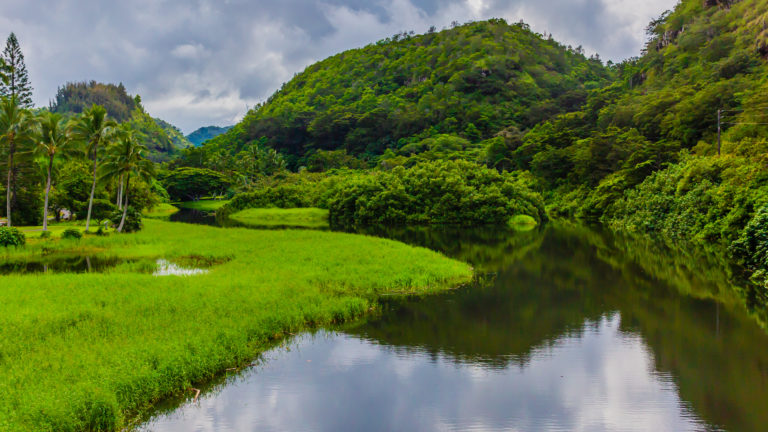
[(473, 80), (205, 133), (700, 57), (162, 138)]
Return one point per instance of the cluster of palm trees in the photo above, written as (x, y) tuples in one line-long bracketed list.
[(114, 150)]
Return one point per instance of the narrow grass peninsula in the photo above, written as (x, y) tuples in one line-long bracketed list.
[(292, 217)]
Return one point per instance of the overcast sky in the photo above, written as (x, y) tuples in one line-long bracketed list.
[(203, 62)]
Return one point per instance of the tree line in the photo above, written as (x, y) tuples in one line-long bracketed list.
[(34, 142)]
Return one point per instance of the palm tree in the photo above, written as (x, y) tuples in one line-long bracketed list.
[(53, 140), (125, 159), (16, 131), (93, 128)]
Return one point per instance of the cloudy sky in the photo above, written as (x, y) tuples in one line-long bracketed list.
[(203, 62)]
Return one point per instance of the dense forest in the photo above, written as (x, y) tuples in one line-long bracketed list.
[(471, 81)]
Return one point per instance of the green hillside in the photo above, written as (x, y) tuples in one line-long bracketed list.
[(162, 138), (472, 81)]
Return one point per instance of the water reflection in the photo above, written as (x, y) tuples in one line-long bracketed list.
[(569, 329), (59, 264), (598, 379), (194, 216)]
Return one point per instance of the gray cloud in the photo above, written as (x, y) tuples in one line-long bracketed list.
[(203, 62)]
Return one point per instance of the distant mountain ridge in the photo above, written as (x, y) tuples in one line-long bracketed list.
[(205, 133)]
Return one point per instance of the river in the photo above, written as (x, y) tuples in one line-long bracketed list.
[(566, 329)]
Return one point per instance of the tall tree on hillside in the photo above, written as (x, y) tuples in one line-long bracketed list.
[(125, 158), (53, 140), (16, 132), (16, 72), (93, 128)]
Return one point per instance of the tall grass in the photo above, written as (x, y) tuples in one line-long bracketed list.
[(205, 205), (91, 351), (292, 217)]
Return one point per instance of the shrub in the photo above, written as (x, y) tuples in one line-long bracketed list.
[(72, 234), (132, 220), (45, 235), (441, 192), (102, 209), (10, 236), (751, 248)]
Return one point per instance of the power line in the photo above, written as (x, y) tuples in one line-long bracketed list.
[(745, 109)]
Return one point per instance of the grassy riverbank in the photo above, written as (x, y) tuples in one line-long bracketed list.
[(204, 204), (90, 351), (293, 217), (160, 211)]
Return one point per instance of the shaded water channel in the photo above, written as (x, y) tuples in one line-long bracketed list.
[(566, 329)]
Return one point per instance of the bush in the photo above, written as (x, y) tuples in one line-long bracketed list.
[(132, 220), (441, 192), (45, 235), (751, 248), (10, 236), (102, 209), (72, 234)]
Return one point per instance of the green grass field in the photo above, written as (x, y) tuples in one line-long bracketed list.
[(160, 211), (204, 204), (33, 232), (92, 351), (294, 217)]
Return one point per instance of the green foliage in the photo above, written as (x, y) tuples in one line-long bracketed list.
[(162, 138), (102, 209), (472, 81), (72, 234), (132, 219), (751, 248), (10, 236), (442, 192), (185, 184), (700, 199), (324, 160), (178, 140), (76, 97), (16, 83)]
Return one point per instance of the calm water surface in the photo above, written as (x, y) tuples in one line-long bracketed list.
[(567, 329)]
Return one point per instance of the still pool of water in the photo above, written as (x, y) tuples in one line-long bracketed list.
[(567, 329)]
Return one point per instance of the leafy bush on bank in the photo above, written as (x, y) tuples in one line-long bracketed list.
[(440, 192), (10, 236)]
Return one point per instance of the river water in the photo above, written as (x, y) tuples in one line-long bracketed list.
[(566, 329)]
